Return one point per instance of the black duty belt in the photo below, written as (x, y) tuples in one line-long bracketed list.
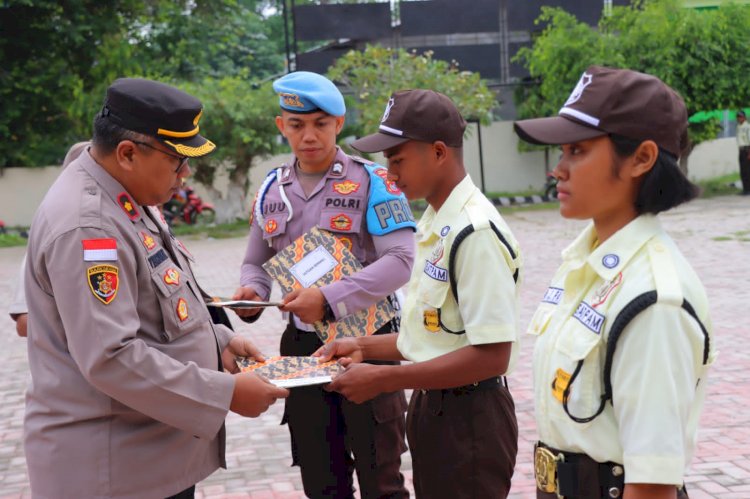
[(486, 384), (567, 474)]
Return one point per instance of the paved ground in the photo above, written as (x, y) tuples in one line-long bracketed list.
[(714, 234)]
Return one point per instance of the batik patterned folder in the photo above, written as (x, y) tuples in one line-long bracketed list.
[(289, 372), (318, 258)]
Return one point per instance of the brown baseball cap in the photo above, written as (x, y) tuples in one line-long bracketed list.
[(422, 115), (618, 101)]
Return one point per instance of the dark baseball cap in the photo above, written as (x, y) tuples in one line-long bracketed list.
[(617, 101), (161, 111), (422, 115)]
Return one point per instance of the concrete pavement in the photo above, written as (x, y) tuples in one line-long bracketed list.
[(714, 235)]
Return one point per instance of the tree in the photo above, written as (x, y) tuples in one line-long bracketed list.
[(238, 118), (375, 73), (697, 52)]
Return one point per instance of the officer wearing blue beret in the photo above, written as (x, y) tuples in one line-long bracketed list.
[(324, 187)]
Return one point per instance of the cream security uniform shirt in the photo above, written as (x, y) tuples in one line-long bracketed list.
[(488, 296), (658, 376), (743, 134)]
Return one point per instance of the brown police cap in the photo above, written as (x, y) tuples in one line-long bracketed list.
[(617, 101), (161, 111), (422, 115)]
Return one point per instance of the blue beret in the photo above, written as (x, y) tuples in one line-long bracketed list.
[(305, 92)]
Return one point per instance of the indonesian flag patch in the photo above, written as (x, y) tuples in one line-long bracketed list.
[(103, 282), (99, 250)]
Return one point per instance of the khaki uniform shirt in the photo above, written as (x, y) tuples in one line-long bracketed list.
[(487, 307), (743, 134), (126, 398), (658, 379)]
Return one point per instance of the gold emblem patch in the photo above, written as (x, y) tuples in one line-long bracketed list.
[(182, 309), (346, 187), (271, 226), (341, 222), (103, 282), (431, 320), (560, 383), (292, 100), (171, 276), (148, 241)]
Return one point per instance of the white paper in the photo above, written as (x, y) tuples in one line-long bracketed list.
[(313, 266), (292, 383), (243, 304)]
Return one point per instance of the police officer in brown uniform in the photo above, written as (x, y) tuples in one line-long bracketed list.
[(351, 198), (128, 394)]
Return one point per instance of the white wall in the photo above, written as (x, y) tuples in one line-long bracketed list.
[(505, 170)]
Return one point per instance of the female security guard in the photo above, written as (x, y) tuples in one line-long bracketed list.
[(623, 335)]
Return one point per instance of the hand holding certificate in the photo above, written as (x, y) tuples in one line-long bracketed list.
[(224, 302), (290, 372)]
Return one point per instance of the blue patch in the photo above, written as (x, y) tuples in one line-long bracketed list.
[(157, 258), (589, 317), (437, 273), (553, 295), (386, 210), (445, 230), (611, 260)]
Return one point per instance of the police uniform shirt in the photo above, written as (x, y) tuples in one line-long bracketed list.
[(658, 376), (126, 398), (488, 296), (743, 134)]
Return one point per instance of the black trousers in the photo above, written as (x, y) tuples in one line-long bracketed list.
[(463, 443), (188, 493), (331, 437), (745, 169)]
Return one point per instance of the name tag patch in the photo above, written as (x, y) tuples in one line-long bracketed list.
[(553, 295), (437, 273), (157, 258), (589, 317)]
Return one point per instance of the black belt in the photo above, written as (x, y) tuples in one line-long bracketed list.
[(568, 474), (485, 384)]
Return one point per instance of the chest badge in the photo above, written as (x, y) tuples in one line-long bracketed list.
[(346, 187), (148, 241), (437, 252), (560, 383), (445, 230), (605, 290), (271, 226), (172, 277), (182, 310), (431, 321), (610, 260), (104, 282), (341, 222)]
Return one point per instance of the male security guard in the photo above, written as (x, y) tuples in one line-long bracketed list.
[(350, 197), (128, 396), (460, 317)]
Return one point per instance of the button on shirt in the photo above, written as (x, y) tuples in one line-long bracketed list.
[(658, 372), (488, 296)]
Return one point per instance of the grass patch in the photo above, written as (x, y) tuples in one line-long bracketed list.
[(9, 240), (229, 230), (719, 186), (721, 238)]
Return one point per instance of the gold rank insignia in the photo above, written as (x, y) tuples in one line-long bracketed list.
[(346, 187), (291, 100), (341, 222), (431, 320), (560, 383), (128, 206), (103, 282), (172, 277), (148, 241), (182, 310)]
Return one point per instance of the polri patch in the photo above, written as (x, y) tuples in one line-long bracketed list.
[(172, 277), (148, 241), (99, 250), (157, 258), (435, 272), (553, 295), (182, 310), (341, 222), (346, 187), (104, 282), (589, 317), (128, 206)]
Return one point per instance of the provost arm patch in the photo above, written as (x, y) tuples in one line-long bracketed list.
[(387, 207)]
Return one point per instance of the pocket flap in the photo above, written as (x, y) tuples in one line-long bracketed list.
[(541, 319), (577, 340), (273, 226), (432, 291)]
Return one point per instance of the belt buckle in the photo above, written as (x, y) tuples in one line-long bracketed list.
[(545, 470)]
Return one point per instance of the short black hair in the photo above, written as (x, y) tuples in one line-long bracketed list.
[(107, 135), (740, 113), (664, 186)]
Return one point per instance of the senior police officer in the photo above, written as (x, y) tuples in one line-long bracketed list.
[(324, 187), (623, 333), (127, 396), (461, 312)]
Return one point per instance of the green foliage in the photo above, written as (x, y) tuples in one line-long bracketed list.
[(698, 53), (376, 72)]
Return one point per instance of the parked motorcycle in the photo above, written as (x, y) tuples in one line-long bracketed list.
[(550, 187), (187, 207)]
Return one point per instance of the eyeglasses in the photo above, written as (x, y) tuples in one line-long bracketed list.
[(183, 159)]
